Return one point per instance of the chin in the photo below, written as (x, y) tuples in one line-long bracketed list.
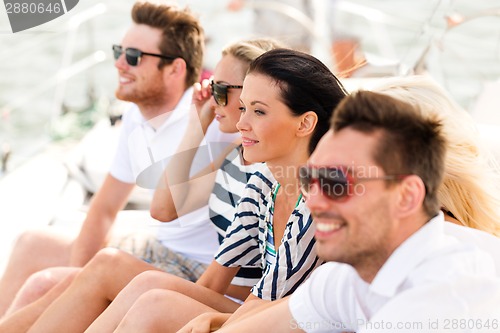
[(325, 253), (125, 96), (225, 128)]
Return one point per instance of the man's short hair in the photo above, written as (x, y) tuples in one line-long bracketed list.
[(182, 35), (409, 142)]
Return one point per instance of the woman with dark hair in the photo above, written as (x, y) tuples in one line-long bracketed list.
[(98, 283), (286, 102)]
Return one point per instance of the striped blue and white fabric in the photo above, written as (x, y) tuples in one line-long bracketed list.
[(230, 182), (245, 242)]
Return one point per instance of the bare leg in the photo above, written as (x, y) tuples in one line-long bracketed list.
[(33, 251), (21, 320), (146, 281), (91, 292), (161, 311), (38, 284)]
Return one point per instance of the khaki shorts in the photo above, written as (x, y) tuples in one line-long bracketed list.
[(147, 248)]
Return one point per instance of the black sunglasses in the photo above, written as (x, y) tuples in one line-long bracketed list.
[(219, 91), (335, 182), (133, 56)]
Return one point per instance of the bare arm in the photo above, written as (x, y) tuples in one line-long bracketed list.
[(205, 322), (106, 203), (252, 305), (273, 314), (227, 322), (217, 277), (167, 206), (177, 193)]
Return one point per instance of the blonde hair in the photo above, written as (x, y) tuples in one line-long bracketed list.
[(470, 189), (248, 50)]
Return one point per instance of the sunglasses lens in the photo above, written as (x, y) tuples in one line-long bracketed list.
[(332, 182), (220, 94), (132, 55), (117, 51), (305, 179)]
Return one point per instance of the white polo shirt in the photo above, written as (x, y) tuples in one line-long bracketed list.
[(336, 299), (141, 155)]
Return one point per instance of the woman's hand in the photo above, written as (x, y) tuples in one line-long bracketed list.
[(201, 99), (205, 323)]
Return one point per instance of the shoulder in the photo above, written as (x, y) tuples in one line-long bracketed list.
[(478, 243), (470, 300), (261, 180)]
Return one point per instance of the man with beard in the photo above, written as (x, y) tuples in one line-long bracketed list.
[(371, 186), (158, 62)]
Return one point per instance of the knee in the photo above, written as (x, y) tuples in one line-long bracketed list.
[(37, 285), (149, 280), (31, 238), (108, 258), (43, 243), (157, 298), (42, 281), (145, 312)]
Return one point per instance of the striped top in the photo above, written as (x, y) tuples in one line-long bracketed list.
[(245, 242), (230, 182)]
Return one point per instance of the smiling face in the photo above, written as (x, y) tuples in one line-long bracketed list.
[(360, 230), (229, 71), (267, 126), (143, 84)]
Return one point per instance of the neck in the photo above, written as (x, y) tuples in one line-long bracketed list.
[(286, 176), (369, 266), (155, 108)]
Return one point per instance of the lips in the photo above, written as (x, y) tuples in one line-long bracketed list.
[(124, 79), (246, 142), (325, 229)]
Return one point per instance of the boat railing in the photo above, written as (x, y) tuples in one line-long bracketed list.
[(52, 88)]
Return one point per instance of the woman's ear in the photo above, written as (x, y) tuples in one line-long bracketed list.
[(307, 124)]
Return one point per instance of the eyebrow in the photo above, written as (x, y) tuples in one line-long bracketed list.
[(254, 102), (258, 102)]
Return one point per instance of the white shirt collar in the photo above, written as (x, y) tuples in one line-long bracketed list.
[(407, 256)]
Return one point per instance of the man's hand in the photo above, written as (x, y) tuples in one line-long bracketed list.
[(205, 323)]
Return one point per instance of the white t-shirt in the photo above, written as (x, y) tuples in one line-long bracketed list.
[(140, 157), (336, 299)]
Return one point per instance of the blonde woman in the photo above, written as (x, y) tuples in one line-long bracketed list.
[(470, 194), (110, 270)]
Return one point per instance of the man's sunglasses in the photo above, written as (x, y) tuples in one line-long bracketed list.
[(219, 91), (335, 182), (133, 56)]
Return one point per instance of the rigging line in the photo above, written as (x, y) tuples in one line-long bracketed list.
[(423, 31)]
